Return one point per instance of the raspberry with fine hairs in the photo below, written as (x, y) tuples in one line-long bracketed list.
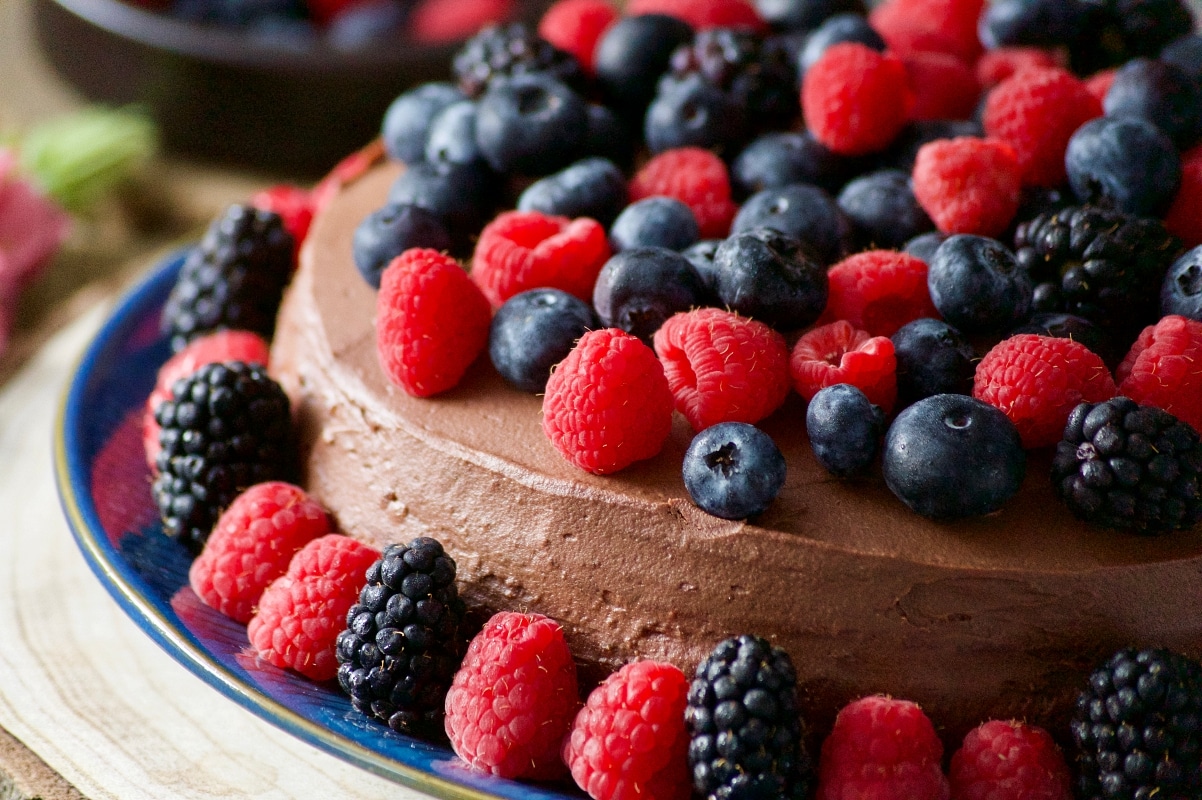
[(1164, 369), (302, 612), (1036, 112), (630, 738), (1009, 760), (252, 544), (521, 250), (968, 185), (1037, 381), (839, 353), (513, 699), (879, 291), (575, 26), (881, 747), (722, 367), (945, 26), (608, 405), (293, 204), (944, 87), (431, 322), (702, 14), (856, 100), (694, 176), (995, 66)]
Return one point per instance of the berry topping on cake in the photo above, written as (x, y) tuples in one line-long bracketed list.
[(592, 187), (944, 86), (1136, 727), (1123, 465), (805, 213), (733, 470), (1123, 162), (695, 177), (533, 332), (766, 275), (404, 638), (406, 125), (302, 612), (883, 210), (252, 544), (513, 700), (389, 231), (881, 747), (226, 427), (1181, 292), (431, 322), (747, 734), (1010, 760), (654, 222), (722, 367), (978, 286), (575, 26), (995, 66), (630, 740), (968, 185), (508, 51), (1037, 381), (944, 26), (879, 291), (233, 279), (855, 99), (932, 358), (702, 14), (840, 353), (844, 429), (293, 204), (531, 124), (638, 289), (1164, 369)]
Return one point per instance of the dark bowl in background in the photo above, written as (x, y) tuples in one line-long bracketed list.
[(231, 97)]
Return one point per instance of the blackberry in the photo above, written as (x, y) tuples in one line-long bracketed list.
[(1100, 264), (226, 427), (1138, 728), (507, 50), (404, 638), (1123, 465), (234, 278), (745, 728)]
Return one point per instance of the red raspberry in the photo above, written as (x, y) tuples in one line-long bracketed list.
[(608, 404), (1098, 84), (945, 26), (1192, 156), (522, 250), (855, 99), (968, 185), (702, 14), (324, 11), (1164, 369), (302, 612), (514, 697), (695, 177), (997, 65), (1036, 112), (431, 322), (630, 741), (292, 203), (722, 367), (1009, 761), (1184, 218), (1037, 381), (879, 291), (227, 345), (445, 21), (882, 749), (252, 544), (944, 87), (576, 26), (838, 353)]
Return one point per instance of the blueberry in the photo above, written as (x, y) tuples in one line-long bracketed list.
[(923, 246), (460, 195), (654, 222), (367, 24), (535, 330), (692, 112), (1070, 326), (805, 15), (845, 429), (766, 275), (531, 124), (802, 212), (633, 54), (1125, 162), (932, 358), (883, 210), (386, 233), (407, 121), (608, 136), (638, 289), (836, 30), (1185, 54), (733, 470), (452, 136), (902, 153), (593, 187), (701, 256), (1160, 93), (952, 456), (1181, 292), (1035, 23), (775, 160), (977, 285)]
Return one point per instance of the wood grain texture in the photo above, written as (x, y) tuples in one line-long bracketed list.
[(81, 686)]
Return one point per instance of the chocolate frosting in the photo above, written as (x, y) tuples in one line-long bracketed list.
[(997, 617)]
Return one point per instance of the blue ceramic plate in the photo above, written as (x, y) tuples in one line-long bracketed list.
[(104, 485)]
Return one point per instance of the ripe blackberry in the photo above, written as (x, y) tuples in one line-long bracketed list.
[(1138, 728), (233, 279), (513, 49), (1097, 263), (1123, 465), (746, 732), (404, 638), (226, 427)]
